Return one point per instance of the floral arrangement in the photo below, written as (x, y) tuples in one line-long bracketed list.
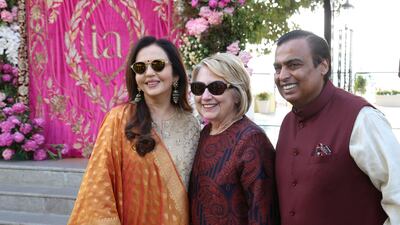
[(9, 41), (20, 137), (8, 11), (210, 26), (210, 15)]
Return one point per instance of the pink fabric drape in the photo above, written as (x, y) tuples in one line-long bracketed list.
[(77, 51)]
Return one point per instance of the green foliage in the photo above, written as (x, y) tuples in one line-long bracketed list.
[(388, 92), (360, 84), (263, 96), (256, 22)]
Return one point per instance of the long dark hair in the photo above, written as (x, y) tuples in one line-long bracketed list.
[(141, 120)]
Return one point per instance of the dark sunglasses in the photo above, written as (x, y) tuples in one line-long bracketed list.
[(157, 65), (215, 88)]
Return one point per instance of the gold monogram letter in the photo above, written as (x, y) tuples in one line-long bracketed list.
[(106, 51)]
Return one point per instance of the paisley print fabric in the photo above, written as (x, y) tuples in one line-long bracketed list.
[(232, 180)]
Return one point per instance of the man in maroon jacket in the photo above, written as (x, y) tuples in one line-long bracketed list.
[(337, 161)]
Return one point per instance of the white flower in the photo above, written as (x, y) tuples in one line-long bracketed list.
[(9, 42)]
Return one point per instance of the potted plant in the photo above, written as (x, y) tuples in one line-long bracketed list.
[(262, 102), (390, 98), (360, 85)]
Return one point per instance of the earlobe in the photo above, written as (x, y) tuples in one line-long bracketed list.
[(324, 67)]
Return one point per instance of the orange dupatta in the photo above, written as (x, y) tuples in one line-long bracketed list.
[(122, 188)]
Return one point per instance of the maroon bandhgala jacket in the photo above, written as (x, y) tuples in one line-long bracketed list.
[(317, 179)]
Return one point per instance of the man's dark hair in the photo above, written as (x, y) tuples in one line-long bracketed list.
[(319, 47)]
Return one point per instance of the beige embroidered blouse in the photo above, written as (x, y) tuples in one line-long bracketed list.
[(181, 134)]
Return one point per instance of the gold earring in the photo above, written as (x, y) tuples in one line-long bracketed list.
[(138, 96), (175, 93)]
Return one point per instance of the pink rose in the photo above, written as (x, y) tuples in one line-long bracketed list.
[(222, 4), (19, 107), (215, 18), (7, 68), (213, 3), (196, 26), (194, 3), (30, 145), (8, 154), (3, 4), (38, 138), (6, 16), (245, 57), (6, 77), (241, 2), (229, 10), (6, 139), (7, 126), (38, 122), (205, 12), (14, 120), (39, 155), (233, 48), (18, 137), (65, 149), (14, 12), (14, 71), (25, 128), (7, 111)]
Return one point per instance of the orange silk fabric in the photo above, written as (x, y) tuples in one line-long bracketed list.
[(121, 187)]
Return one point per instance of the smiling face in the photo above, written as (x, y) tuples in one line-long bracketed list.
[(155, 85), (215, 108), (297, 79)]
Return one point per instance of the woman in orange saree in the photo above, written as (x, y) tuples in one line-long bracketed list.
[(139, 170)]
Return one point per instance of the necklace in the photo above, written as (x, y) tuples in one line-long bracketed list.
[(226, 126), (159, 124)]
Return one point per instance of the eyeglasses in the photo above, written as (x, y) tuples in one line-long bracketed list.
[(216, 87), (157, 65)]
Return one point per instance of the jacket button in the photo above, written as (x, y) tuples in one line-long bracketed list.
[(294, 183), (295, 152), (292, 213), (301, 125)]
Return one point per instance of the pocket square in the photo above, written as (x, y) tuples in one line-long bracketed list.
[(322, 150)]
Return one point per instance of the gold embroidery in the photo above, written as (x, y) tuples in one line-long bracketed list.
[(73, 56), (52, 5), (106, 77), (174, 184), (161, 8), (106, 221), (79, 126)]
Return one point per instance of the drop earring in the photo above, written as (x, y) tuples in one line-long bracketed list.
[(138, 96), (175, 93)]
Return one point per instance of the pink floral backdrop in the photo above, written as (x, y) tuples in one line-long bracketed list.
[(77, 51)]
